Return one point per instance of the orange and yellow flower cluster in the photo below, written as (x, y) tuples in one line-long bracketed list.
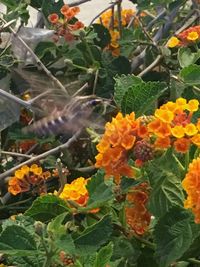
[(64, 25), (187, 37), (191, 185), (110, 21), (173, 125), (108, 18), (28, 178), (119, 138), (76, 191), (137, 215), (126, 137)]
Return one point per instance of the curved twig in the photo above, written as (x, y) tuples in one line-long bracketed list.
[(104, 10), (40, 156), (38, 61)]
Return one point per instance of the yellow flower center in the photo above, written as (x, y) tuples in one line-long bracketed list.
[(192, 36), (173, 42)]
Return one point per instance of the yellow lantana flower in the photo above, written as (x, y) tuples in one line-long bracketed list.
[(178, 131), (190, 129), (173, 42), (192, 36), (193, 105)]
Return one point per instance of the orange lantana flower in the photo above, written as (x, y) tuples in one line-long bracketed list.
[(76, 191), (163, 143), (28, 178), (182, 145), (191, 184), (119, 138), (137, 215), (173, 121), (53, 18), (196, 140)]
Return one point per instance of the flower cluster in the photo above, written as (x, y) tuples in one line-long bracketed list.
[(191, 184), (121, 134), (137, 216), (65, 25), (108, 18), (66, 259), (28, 178), (76, 191), (111, 21), (187, 37), (173, 125)]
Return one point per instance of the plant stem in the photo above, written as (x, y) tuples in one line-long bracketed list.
[(38, 61), (197, 152), (187, 160), (95, 81), (14, 154), (41, 156), (89, 50), (63, 179), (181, 167), (119, 17), (195, 261)]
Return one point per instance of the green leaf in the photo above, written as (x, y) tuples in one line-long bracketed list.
[(46, 207), (10, 3), (186, 57), (167, 192), (104, 255), (7, 61), (16, 240), (99, 192), (121, 65), (127, 183), (127, 250), (103, 35), (142, 98), (56, 226), (51, 6), (147, 258), (94, 236), (62, 239), (190, 74), (122, 84), (167, 162), (45, 47), (173, 235), (165, 179)]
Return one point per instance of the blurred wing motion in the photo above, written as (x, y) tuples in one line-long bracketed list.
[(75, 116), (61, 113)]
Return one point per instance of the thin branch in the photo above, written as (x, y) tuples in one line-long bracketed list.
[(144, 30), (38, 61), (85, 169), (103, 11), (119, 15), (62, 177), (138, 60), (85, 86), (15, 154), (41, 156), (151, 66), (16, 99), (95, 81), (179, 80), (78, 2)]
